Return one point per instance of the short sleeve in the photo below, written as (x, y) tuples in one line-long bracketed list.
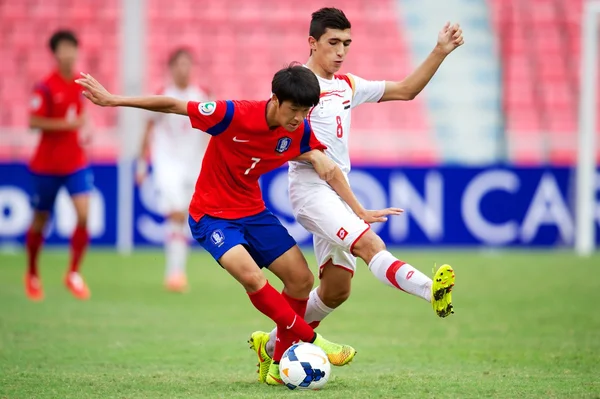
[(212, 117), (39, 104), (366, 91), (309, 141)]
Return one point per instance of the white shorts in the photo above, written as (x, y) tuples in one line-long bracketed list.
[(175, 186), (335, 227)]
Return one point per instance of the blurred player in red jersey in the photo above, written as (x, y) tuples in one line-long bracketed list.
[(227, 213), (59, 161), (176, 152)]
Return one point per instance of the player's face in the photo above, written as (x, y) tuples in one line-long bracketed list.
[(66, 55), (331, 49), (290, 115), (181, 69)]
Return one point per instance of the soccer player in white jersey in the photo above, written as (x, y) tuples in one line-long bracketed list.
[(176, 151), (339, 229)]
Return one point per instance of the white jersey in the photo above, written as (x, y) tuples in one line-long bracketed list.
[(175, 141), (330, 119), (315, 205)]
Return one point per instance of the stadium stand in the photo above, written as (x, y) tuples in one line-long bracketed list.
[(25, 27), (239, 46), (540, 48), (259, 43)]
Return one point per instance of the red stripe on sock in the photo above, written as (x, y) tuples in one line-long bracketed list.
[(314, 324), (391, 273)]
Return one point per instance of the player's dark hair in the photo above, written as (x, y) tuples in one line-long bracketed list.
[(62, 36), (327, 18), (178, 52), (296, 84)]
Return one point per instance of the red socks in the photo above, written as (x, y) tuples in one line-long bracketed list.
[(79, 242), (285, 338), (33, 243), (275, 306)]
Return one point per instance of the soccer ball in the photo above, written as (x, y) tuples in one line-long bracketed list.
[(304, 366)]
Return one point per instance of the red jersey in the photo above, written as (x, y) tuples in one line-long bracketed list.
[(58, 152), (241, 149)]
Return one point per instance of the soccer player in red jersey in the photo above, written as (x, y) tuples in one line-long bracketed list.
[(227, 213), (59, 161)]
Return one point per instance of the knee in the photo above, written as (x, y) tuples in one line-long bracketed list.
[(82, 220), (178, 217), (368, 246), (253, 280), (39, 221), (301, 284), (334, 295)]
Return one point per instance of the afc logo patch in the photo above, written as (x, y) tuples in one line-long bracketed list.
[(342, 233), (283, 144), (207, 109), (217, 237)]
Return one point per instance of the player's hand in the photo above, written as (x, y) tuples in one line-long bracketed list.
[(324, 166), (377, 216), (450, 38), (141, 171), (78, 123), (94, 91)]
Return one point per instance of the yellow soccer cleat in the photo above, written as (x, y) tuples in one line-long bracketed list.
[(441, 291), (258, 343), (273, 376), (338, 355)]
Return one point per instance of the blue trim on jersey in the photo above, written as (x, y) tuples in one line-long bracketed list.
[(225, 122), (305, 142), (43, 87)]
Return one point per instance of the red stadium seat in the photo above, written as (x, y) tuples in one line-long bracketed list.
[(25, 27), (540, 56)]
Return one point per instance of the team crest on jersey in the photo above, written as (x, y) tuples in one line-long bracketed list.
[(217, 237), (208, 108), (36, 102), (283, 144)]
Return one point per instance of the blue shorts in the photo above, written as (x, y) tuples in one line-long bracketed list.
[(45, 187), (262, 234)]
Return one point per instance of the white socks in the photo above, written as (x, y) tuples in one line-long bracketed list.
[(388, 270), (176, 247), (316, 310), (398, 274)]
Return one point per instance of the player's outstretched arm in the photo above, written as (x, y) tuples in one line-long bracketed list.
[(449, 39), (332, 174), (97, 94)]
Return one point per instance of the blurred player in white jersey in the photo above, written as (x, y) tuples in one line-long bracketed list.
[(341, 230), (176, 151)]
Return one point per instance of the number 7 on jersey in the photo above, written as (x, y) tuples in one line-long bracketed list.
[(254, 162)]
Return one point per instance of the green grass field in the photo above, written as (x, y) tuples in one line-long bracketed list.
[(527, 325)]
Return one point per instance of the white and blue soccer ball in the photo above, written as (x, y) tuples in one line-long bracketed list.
[(304, 366)]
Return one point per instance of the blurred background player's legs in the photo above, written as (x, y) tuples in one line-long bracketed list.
[(176, 251), (79, 185), (45, 191), (33, 243), (175, 194)]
